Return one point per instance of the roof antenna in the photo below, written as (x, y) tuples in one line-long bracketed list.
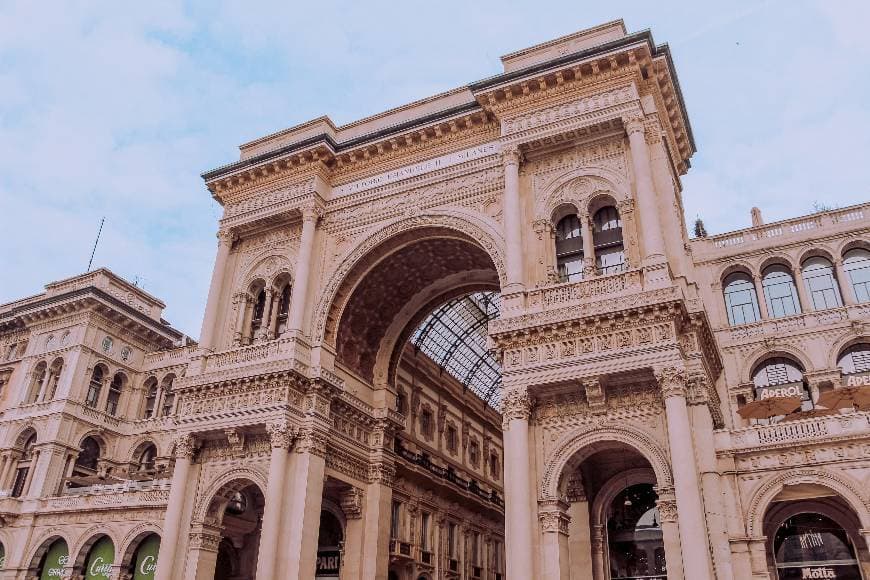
[(97, 241)]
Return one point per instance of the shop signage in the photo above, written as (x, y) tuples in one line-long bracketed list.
[(857, 380), (328, 562), (146, 559), (792, 390), (99, 564), (818, 572), (56, 562)]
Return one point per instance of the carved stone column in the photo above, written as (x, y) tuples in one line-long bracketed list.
[(759, 294), (241, 300), (597, 541), (185, 446), (579, 532), (516, 411), (589, 268), (301, 282), (651, 230), (702, 427), (693, 535), (202, 552), (806, 304), (512, 220), (845, 283), (670, 535), (225, 242), (306, 499), (758, 557), (281, 435), (263, 331), (554, 521)]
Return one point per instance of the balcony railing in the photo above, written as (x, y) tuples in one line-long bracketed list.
[(833, 219), (448, 474), (559, 295), (796, 322), (802, 431)]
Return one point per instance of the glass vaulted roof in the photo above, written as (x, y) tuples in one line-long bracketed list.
[(454, 336)]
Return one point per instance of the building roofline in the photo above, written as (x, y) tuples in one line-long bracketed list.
[(473, 106)]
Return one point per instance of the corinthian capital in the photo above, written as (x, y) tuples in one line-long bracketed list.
[(510, 155), (633, 124), (516, 404), (226, 237), (185, 446), (672, 381), (311, 212), (281, 434)]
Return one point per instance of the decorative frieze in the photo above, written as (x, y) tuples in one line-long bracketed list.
[(281, 434)]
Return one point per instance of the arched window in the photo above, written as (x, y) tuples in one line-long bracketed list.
[(634, 535), (857, 265), (330, 540), (811, 541), (24, 466), (781, 377), (257, 313), (569, 249), (114, 397), (36, 380), (89, 455), (146, 462), (53, 379), (150, 398), (283, 308), (607, 240), (821, 283), (855, 362), (94, 387), (780, 291), (741, 302), (168, 396)]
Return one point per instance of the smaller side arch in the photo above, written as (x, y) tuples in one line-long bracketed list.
[(87, 540), (582, 441), (846, 340), (845, 486), (40, 547), (126, 550), (243, 475), (762, 353), (613, 486)]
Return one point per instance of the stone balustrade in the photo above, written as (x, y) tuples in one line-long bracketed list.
[(811, 226), (592, 289), (774, 327), (802, 431), (173, 356)]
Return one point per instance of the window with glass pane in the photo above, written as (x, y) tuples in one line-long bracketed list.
[(780, 292), (607, 240), (857, 266), (821, 283), (811, 541), (740, 299), (424, 532), (779, 374), (569, 249), (856, 359), (94, 388), (394, 520)]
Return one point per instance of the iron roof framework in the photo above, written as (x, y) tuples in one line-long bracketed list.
[(455, 337)]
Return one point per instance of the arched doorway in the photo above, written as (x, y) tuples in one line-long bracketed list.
[(811, 545), (330, 545), (97, 558), (235, 518), (52, 560), (634, 535), (141, 564)]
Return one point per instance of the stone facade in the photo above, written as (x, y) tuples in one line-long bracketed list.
[(304, 436)]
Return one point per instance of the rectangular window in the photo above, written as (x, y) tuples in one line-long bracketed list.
[(475, 549), (394, 520), (451, 541), (20, 478), (424, 532)]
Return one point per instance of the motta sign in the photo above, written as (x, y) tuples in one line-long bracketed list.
[(328, 562), (780, 391), (819, 572)]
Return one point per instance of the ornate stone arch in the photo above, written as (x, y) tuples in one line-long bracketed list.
[(847, 488), (40, 546), (851, 244), (86, 541), (131, 541), (24, 435), (613, 486), (139, 445), (582, 442), (376, 245), (240, 477), (846, 340), (779, 349), (774, 259), (578, 186), (729, 269)]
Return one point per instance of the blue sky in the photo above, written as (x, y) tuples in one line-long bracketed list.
[(114, 109)]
